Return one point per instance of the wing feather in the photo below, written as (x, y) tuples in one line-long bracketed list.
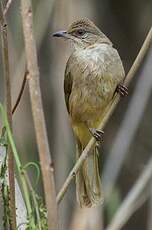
[(67, 85)]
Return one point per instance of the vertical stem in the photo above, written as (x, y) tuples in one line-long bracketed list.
[(9, 115), (38, 114)]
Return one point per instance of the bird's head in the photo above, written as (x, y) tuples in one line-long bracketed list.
[(83, 33)]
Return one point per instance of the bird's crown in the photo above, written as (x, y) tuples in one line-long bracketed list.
[(84, 24)]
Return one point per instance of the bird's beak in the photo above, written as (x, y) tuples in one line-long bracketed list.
[(60, 34)]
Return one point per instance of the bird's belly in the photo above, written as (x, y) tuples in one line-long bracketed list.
[(86, 111), (87, 105)]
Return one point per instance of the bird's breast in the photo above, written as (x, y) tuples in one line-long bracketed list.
[(87, 100), (94, 81)]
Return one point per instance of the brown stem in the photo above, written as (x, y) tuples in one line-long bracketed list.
[(108, 114), (9, 115), (20, 93), (38, 114)]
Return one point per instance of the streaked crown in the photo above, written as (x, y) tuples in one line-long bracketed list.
[(84, 24)]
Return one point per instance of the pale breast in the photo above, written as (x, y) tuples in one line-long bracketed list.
[(96, 71)]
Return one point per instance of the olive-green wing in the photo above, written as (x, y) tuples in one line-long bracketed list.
[(67, 84)]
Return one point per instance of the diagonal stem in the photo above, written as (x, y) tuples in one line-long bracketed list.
[(20, 93), (8, 4)]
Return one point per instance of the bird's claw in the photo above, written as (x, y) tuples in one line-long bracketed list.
[(97, 134), (122, 90)]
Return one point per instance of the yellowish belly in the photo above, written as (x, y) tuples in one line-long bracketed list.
[(86, 113), (87, 105)]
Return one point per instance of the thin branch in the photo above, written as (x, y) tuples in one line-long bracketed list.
[(7, 6), (9, 114), (20, 92), (38, 114), (128, 207), (108, 114)]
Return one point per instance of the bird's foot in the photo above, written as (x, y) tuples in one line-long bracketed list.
[(97, 134), (122, 90)]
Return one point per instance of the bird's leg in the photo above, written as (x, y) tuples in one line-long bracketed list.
[(97, 134), (122, 90)]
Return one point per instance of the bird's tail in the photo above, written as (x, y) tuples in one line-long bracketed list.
[(88, 181)]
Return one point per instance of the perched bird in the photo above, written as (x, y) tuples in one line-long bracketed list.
[(94, 72)]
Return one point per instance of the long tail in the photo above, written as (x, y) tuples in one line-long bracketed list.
[(88, 181)]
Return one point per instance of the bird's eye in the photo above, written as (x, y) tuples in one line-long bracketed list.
[(80, 32)]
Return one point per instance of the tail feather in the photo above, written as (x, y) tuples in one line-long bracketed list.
[(88, 181)]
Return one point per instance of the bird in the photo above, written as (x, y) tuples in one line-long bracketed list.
[(94, 73)]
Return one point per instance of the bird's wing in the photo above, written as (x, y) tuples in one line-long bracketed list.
[(67, 84)]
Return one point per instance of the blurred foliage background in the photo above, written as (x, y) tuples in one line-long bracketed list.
[(127, 143)]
